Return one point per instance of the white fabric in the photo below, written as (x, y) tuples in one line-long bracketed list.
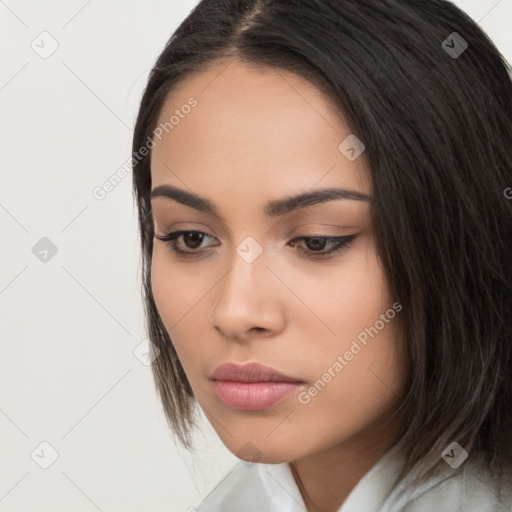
[(257, 487)]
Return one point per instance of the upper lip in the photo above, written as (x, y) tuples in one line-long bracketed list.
[(250, 372)]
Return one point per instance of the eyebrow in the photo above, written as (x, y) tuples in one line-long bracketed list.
[(273, 208)]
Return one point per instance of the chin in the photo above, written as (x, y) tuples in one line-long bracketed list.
[(263, 452)]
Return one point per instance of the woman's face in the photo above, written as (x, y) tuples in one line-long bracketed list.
[(252, 290)]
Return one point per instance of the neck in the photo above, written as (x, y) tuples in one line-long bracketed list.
[(325, 479)]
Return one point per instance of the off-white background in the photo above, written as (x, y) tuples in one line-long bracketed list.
[(69, 325)]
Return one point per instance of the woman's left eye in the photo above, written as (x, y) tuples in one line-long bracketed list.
[(316, 243)]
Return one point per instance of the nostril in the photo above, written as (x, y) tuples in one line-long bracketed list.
[(258, 329)]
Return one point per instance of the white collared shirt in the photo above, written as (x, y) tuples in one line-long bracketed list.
[(250, 487)]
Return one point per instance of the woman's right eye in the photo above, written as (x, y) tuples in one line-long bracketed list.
[(191, 239)]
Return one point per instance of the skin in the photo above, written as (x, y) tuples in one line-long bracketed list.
[(260, 134)]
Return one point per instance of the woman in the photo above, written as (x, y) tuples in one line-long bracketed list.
[(325, 229)]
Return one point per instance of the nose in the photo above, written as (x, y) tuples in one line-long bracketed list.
[(248, 301)]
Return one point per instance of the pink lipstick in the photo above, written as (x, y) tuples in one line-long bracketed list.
[(252, 386)]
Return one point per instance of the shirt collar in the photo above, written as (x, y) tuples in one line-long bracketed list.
[(368, 495), (271, 485)]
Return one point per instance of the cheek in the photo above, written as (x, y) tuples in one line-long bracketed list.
[(179, 302), (357, 307), (347, 297), (165, 285), (368, 325)]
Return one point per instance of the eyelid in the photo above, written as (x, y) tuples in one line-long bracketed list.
[(323, 224)]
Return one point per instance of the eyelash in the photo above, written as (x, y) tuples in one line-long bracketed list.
[(341, 242)]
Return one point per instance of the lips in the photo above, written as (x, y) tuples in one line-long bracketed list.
[(250, 372), (252, 386)]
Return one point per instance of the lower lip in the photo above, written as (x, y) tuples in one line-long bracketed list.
[(254, 396)]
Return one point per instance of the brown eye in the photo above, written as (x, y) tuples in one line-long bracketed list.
[(316, 245), (191, 240)]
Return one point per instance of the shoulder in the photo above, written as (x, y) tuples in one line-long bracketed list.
[(470, 489)]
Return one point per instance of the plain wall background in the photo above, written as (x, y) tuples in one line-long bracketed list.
[(70, 324)]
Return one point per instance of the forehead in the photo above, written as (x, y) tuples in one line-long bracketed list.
[(252, 125)]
